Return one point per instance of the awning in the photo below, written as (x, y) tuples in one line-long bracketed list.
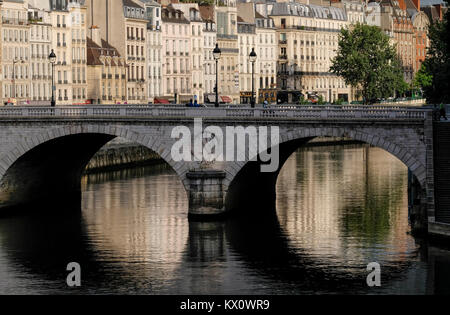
[(222, 99), (226, 99), (161, 101)]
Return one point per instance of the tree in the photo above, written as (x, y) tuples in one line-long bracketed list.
[(422, 80), (436, 66), (367, 61)]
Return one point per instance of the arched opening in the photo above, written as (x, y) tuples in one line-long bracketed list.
[(250, 191), (50, 170)]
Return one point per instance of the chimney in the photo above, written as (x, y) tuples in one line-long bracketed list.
[(95, 35), (417, 4)]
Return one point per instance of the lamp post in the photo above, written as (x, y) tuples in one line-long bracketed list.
[(216, 53), (52, 59), (14, 75), (253, 60)]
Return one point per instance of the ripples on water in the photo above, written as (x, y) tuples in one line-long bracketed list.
[(338, 209)]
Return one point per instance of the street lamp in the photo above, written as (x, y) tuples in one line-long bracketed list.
[(52, 59), (14, 75), (253, 60), (216, 53)]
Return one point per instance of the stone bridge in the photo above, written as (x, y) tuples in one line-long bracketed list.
[(44, 150)]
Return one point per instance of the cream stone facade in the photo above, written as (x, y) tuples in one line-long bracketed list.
[(227, 38), (308, 40), (15, 60), (267, 47), (106, 72), (192, 14), (78, 27), (177, 78), (154, 50), (247, 39), (40, 48), (209, 43), (123, 24)]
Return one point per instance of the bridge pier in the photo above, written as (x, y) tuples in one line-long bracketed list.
[(206, 194), (417, 205)]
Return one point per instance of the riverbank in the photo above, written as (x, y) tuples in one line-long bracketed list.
[(120, 154)]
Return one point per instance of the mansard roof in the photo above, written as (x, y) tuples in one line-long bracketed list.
[(303, 10)]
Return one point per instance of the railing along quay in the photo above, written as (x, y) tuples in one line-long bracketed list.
[(295, 112)]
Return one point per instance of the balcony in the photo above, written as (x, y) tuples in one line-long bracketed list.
[(282, 57), (283, 42)]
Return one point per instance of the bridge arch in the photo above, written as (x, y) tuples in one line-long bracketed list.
[(245, 183), (100, 135)]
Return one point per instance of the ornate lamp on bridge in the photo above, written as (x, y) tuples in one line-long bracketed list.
[(52, 59), (216, 53), (253, 60)]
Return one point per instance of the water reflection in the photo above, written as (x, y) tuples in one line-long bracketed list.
[(338, 209)]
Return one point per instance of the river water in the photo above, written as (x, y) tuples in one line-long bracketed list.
[(339, 208)]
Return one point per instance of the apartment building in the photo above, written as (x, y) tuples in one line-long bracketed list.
[(356, 11), (266, 41), (176, 68), (247, 43), (404, 37), (15, 57), (420, 23), (123, 24), (154, 50), (40, 47), (78, 27), (207, 13), (192, 14), (106, 72), (227, 39), (308, 40)]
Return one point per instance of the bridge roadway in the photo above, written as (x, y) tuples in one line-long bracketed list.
[(43, 150)]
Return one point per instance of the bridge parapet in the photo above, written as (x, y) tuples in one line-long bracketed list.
[(283, 112)]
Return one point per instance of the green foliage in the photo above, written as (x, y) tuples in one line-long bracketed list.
[(423, 79), (338, 101), (367, 61), (436, 66), (320, 101), (302, 100)]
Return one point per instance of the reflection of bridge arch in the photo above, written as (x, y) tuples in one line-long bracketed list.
[(69, 148), (247, 187)]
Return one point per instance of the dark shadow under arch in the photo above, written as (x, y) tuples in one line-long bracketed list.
[(51, 171)]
